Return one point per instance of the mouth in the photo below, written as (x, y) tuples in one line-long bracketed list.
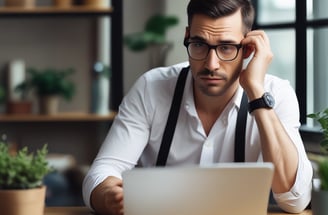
[(212, 80)]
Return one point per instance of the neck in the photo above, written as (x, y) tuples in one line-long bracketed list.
[(209, 108), (213, 104)]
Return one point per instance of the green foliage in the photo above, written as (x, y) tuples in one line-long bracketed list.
[(323, 173), (154, 32), (322, 161), (24, 170), (322, 118), (49, 82)]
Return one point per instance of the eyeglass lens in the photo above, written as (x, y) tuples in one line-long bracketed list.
[(200, 51)]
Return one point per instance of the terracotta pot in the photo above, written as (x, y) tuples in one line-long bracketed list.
[(49, 104), (20, 3), (19, 107), (22, 202)]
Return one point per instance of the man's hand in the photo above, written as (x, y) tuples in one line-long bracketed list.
[(107, 197), (252, 78)]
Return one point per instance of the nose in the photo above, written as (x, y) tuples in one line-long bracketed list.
[(212, 61)]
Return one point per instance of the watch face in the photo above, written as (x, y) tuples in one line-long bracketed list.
[(268, 99)]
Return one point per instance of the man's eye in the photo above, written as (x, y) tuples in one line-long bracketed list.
[(198, 45), (226, 48)]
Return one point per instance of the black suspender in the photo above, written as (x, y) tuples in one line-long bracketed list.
[(173, 117), (241, 130)]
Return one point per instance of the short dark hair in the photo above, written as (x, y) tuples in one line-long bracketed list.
[(221, 8)]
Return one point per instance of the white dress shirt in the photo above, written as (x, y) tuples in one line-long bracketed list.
[(136, 133)]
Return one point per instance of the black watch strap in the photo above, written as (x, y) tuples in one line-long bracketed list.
[(266, 101)]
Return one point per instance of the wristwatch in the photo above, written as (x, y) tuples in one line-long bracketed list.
[(266, 101)]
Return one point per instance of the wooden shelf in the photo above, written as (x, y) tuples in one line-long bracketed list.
[(60, 117), (51, 10)]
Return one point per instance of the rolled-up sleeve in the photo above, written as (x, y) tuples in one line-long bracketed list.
[(299, 196)]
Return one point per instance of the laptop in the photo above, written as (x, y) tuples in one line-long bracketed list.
[(225, 188)]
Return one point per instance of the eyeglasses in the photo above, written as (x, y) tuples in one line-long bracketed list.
[(200, 50)]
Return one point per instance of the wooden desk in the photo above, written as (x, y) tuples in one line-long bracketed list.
[(85, 211)]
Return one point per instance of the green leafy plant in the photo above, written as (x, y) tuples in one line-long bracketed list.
[(23, 170), (322, 161), (322, 118), (154, 32), (48, 82)]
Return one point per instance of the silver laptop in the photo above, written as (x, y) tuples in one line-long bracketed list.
[(226, 188)]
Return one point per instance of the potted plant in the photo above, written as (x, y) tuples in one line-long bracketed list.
[(49, 84), (320, 186), (154, 37), (21, 180)]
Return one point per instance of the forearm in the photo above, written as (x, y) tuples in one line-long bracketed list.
[(107, 197), (278, 148)]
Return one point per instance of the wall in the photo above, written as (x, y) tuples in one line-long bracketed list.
[(176, 34), (135, 15)]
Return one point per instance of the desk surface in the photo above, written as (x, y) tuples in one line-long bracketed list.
[(85, 211)]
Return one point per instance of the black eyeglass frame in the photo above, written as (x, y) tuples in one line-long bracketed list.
[(186, 43)]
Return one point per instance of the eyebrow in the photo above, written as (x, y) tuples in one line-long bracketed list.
[(201, 39)]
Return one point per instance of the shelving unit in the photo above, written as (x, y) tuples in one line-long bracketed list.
[(74, 10), (115, 12), (60, 117), (75, 133)]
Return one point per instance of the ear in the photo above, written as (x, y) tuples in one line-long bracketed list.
[(247, 51), (187, 32)]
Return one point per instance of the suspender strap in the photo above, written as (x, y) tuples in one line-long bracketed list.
[(240, 130), (172, 118)]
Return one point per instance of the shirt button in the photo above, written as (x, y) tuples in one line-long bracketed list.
[(207, 144)]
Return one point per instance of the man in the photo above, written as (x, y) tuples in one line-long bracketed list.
[(218, 38)]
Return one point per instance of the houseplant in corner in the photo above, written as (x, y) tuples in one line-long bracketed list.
[(154, 37), (49, 84), (21, 180), (320, 187)]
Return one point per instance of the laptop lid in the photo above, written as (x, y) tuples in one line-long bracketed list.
[(225, 188)]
